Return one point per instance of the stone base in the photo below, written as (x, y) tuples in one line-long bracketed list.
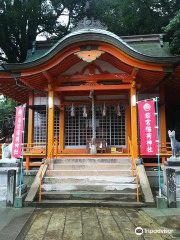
[(173, 166), (161, 202), (172, 162), (3, 191), (10, 161), (18, 202), (4, 168), (3, 175), (164, 190)]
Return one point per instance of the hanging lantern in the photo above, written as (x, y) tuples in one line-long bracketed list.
[(118, 110), (72, 110), (84, 112), (104, 110)]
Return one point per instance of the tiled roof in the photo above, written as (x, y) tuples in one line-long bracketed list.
[(148, 45)]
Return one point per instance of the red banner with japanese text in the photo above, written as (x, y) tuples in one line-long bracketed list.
[(18, 132), (148, 131)]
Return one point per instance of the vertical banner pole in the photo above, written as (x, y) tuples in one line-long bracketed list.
[(21, 175), (158, 147)]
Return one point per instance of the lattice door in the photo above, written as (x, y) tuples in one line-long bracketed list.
[(110, 127)]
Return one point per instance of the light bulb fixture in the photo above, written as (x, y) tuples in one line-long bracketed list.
[(134, 100), (50, 102)]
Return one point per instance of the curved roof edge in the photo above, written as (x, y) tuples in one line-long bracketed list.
[(86, 35)]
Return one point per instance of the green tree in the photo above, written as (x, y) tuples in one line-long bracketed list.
[(135, 17), (7, 108), (21, 21), (173, 31)]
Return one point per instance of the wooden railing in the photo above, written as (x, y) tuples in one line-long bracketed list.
[(134, 166), (34, 147), (49, 158)]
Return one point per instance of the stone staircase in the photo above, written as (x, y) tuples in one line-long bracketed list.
[(88, 181)]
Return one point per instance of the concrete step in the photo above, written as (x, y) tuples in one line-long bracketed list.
[(74, 195), (91, 166), (87, 160), (89, 179), (125, 173), (63, 203), (100, 187)]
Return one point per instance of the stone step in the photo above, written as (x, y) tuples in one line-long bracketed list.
[(91, 166), (63, 203), (126, 173), (89, 179), (85, 160), (123, 187), (74, 195)]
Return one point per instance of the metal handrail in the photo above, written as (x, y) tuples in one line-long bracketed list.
[(49, 157), (134, 165)]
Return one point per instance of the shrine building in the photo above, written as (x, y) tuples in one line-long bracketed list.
[(91, 68)]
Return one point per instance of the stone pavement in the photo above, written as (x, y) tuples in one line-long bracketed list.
[(12, 221), (101, 223), (87, 223)]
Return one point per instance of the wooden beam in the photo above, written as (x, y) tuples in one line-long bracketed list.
[(134, 73), (90, 88), (58, 95), (124, 77), (98, 93), (69, 103), (49, 78)]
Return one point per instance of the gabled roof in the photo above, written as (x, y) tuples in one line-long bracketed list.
[(149, 44), (98, 35), (146, 52)]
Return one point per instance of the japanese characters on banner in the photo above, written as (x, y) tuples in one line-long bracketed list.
[(18, 132), (148, 131)]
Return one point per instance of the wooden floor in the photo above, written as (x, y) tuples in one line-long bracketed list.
[(93, 223)]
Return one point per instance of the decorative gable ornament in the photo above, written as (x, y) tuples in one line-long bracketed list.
[(89, 56), (88, 23)]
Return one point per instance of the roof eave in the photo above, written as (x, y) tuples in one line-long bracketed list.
[(93, 36)]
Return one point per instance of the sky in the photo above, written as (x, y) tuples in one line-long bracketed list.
[(63, 19)]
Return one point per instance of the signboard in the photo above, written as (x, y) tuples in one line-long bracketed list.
[(18, 132), (148, 131)]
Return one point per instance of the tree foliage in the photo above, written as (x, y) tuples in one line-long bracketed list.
[(7, 108), (22, 20), (173, 31), (135, 17)]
